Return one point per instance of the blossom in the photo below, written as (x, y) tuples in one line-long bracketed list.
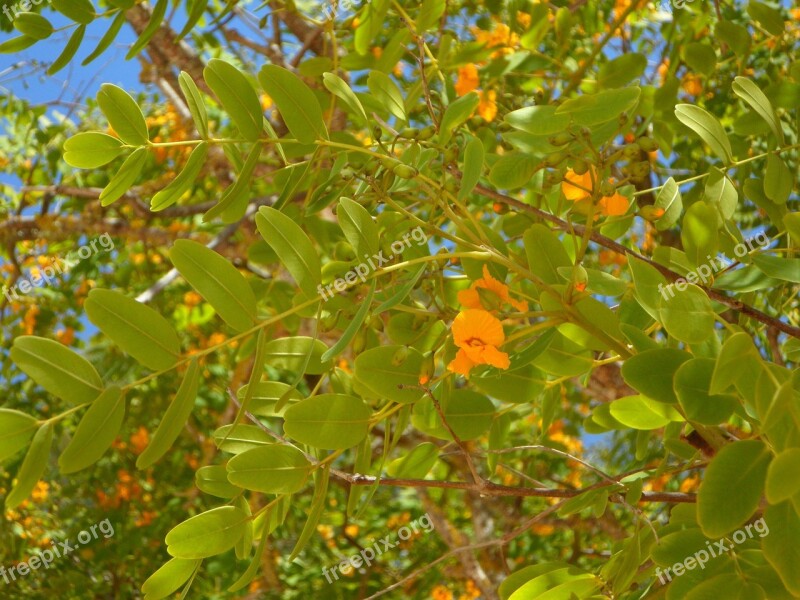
[(614, 205), (477, 333), (577, 187), (472, 298), (467, 79), (487, 108)]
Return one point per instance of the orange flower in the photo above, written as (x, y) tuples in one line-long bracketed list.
[(471, 298), (577, 187), (614, 205), (487, 108), (467, 79), (139, 440), (477, 333), (691, 85)]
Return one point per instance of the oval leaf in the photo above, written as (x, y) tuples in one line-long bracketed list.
[(328, 421), (95, 433)]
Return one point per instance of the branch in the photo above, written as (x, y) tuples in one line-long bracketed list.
[(606, 242)]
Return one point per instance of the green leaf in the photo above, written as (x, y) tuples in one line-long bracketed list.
[(545, 253), (736, 36), (298, 105), (780, 546), (240, 437), (80, 11), (137, 329), (273, 469), (622, 70), (513, 170), (416, 463), (792, 223), (770, 19), (732, 487), (207, 534), (473, 167), (292, 246), (706, 125), (359, 228), (648, 285), (721, 192), (700, 233), (700, 57), (786, 269), (32, 467), (73, 44), (328, 421), (401, 293), (669, 198), (429, 14), (375, 370), (294, 353), (265, 396), (183, 182), (456, 115), (783, 476), (468, 413), (194, 100), (33, 25), (17, 44), (218, 281), (758, 101), (687, 315), (91, 149), (736, 349), (174, 419), (123, 114), (123, 179), (213, 480), (692, 382), (16, 428), (169, 578), (651, 372), (639, 412), (156, 18), (314, 514), (594, 109), (233, 204), (95, 433), (195, 10), (538, 120), (387, 94), (778, 180), (57, 369), (370, 22), (339, 88), (108, 37), (353, 327), (237, 96)]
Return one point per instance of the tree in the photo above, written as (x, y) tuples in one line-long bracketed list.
[(504, 291)]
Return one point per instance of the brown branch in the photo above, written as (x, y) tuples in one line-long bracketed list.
[(606, 242)]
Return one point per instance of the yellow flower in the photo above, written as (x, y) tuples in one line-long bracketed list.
[(471, 298), (477, 333), (487, 108), (577, 187), (40, 492), (691, 84), (614, 205), (467, 79)]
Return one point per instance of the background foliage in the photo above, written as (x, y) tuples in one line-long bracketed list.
[(521, 373)]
